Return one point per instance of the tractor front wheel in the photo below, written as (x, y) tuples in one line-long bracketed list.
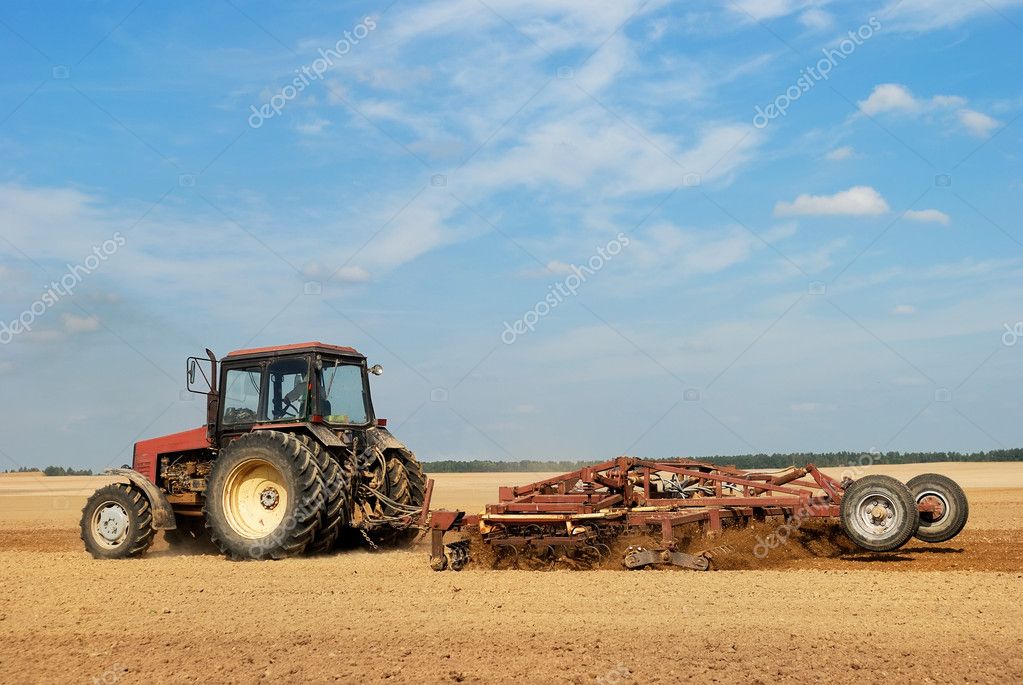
[(879, 513), (264, 497), (117, 522)]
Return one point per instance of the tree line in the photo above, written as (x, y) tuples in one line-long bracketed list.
[(52, 471), (742, 461)]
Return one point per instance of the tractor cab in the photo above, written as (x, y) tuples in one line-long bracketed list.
[(302, 383)]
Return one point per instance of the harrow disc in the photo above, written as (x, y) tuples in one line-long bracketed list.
[(536, 557)]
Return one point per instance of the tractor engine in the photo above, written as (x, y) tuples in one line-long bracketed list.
[(184, 475)]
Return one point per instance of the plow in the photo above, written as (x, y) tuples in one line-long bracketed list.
[(576, 520)]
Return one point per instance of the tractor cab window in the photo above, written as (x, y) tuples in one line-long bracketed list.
[(241, 395), (289, 389), (342, 393)]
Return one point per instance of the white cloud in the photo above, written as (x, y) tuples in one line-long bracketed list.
[(80, 324), (840, 153), (857, 201), (977, 123), (589, 149), (557, 268), (928, 215), (554, 24), (889, 97), (816, 19), (352, 274), (314, 127), (904, 309), (928, 15), (761, 10), (894, 97), (675, 252)]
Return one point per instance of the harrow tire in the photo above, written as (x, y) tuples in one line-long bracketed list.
[(337, 488), (117, 522), (264, 497), (879, 513), (953, 499)]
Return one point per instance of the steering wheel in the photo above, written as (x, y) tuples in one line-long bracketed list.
[(288, 406)]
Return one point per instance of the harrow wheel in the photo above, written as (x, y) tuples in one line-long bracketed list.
[(950, 519), (264, 497), (879, 513), (117, 522)]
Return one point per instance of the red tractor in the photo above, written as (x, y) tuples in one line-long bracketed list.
[(291, 456)]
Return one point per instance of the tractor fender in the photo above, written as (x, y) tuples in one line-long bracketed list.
[(163, 515), (325, 435), (383, 439)]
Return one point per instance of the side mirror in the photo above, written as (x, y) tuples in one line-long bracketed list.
[(199, 374), (376, 369)]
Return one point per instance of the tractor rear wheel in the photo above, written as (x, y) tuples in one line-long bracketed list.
[(394, 486), (410, 488), (117, 522), (879, 513), (264, 497), (337, 485), (950, 519)]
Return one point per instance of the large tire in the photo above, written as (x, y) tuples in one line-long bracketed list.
[(337, 484), (416, 479), (396, 474), (879, 513), (117, 522), (264, 497), (956, 509), (410, 486)]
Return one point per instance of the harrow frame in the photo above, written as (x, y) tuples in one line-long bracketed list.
[(587, 508)]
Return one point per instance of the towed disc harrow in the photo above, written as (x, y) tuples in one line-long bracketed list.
[(576, 520)]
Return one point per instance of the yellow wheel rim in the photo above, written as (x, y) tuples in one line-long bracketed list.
[(255, 498)]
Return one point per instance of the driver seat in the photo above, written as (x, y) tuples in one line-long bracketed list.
[(298, 393)]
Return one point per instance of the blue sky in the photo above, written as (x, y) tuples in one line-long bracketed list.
[(413, 178)]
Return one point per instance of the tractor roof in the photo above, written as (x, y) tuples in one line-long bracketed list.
[(295, 348)]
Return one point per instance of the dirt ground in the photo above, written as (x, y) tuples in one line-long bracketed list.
[(813, 610)]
